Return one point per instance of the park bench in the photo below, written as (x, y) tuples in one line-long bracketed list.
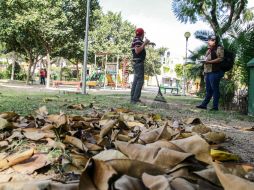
[(172, 88), (31, 81), (56, 83)]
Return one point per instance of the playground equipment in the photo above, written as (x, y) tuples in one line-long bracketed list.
[(113, 75)]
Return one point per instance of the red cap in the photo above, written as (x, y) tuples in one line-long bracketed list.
[(139, 32)]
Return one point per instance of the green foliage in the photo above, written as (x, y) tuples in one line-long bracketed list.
[(112, 35), (19, 74), (179, 70), (152, 60), (227, 93), (220, 14)]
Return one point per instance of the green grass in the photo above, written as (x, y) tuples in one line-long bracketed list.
[(26, 102)]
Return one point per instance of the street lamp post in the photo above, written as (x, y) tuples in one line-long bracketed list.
[(85, 48), (186, 35)]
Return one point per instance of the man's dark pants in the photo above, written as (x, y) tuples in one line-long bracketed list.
[(212, 81), (138, 81)]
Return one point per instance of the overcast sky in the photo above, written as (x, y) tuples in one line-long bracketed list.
[(158, 21)]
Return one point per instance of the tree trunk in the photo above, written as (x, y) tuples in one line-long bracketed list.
[(13, 69), (49, 69), (78, 77), (34, 67), (29, 70), (61, 71)]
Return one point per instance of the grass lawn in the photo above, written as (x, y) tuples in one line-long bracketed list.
[(24, 102)]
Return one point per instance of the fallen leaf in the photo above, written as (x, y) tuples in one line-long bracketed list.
[(9, 116), (3, 123), (42, 111), (99, 172), (135, 168), (201, 129), (28, 166), (55, 144), (248, 129), (193, 120), (37, 134), (132, 124), (223, 156), (215, 137), (76, 106), (159, 182), (109, 155), (16, 134), (231, 182), (162, 157), (59, 120), (129, 183), (75, 142), (106, 128), (3, 144), (197, 146), (150, 136), (15, 159)]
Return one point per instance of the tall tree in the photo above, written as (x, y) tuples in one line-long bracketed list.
[(220, 14)]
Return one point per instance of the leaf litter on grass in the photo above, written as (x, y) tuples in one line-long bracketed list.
[(115, 149)]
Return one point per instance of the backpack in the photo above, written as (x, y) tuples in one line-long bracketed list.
[(228, 61)]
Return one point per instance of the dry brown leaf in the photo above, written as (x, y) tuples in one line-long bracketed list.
[(164, 144), (47, 127), (231, 182), (92, 147), (99, 173), (9, 116), (86, 182), (215, 137), (16, 134), (132, 124), (36, 162), (75, 142), (180, 184), (248, 129), (209, 175), (16, 158), (55, 144), (122, 110), (79, 160), (37, 134), (162, 157), (159, 182), (107, 127), (150, 136), (193, 120), (59, 120), (201, 129), (129, 183), (76, 106), (124, 138), (42, 111), (37, 185), (109, 155), (127, 117), (135, 168), (3, 144), (197, 146), (3, 123)]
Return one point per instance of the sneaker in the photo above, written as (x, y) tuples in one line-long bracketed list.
[(214, 109), (201, 107)]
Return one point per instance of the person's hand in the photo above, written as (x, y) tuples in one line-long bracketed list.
[(147, 41)]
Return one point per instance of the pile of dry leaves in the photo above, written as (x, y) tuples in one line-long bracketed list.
[(115, 149)]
